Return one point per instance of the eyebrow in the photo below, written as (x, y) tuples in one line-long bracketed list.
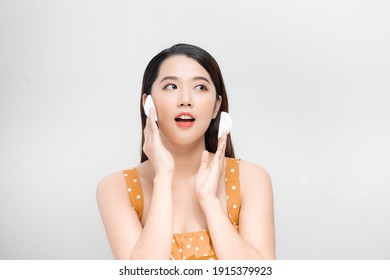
[(176, 78)]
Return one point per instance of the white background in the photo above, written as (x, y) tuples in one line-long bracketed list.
[(309, 93)]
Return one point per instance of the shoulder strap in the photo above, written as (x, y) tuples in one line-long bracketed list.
[(233, 189), (134, 190)]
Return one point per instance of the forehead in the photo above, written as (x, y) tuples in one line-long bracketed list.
[(182, 67)]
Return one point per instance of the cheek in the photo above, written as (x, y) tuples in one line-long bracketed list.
[(163, 105), (209, 107)]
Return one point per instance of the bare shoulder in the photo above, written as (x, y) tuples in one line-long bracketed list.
[(120, 220), (113, 182), (112, 188), (254, 177), (257, 210)]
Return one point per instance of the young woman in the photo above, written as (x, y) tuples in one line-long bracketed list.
[(189, 198)]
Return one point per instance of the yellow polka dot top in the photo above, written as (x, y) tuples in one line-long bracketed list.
[(193, 245)]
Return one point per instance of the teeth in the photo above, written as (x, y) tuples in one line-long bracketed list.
[(185, 117)]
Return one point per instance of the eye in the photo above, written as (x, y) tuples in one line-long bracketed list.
[(170, 87), (201, 87)]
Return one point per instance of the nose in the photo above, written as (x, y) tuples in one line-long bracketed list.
[(185, 99)]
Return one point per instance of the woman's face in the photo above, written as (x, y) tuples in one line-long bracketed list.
[(185, 100)]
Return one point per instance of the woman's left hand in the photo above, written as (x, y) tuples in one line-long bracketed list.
[(210, 173)]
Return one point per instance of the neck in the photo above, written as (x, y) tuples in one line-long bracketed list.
[(187, 157)]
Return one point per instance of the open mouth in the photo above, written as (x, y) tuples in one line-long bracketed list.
[(185, 119)]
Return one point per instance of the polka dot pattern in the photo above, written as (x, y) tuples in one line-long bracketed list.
[(233, 190), (134, 190), (193, 245)]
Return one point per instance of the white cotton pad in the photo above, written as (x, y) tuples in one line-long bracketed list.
[(225, 123), (150, 104)]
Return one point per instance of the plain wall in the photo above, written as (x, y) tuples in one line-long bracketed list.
[(309, 93)]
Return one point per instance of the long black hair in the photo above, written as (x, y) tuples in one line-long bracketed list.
[(211, 66)]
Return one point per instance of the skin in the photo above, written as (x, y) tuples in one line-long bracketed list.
[(183, 184)]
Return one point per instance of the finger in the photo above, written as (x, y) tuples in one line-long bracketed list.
[(151, 114), (152, 120), (149, 127), (204, 160), (147, 140), (149, 124), (221, 145), (220, 154), (146, 129)]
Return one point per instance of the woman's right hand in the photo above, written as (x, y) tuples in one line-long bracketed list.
[(160, 158)]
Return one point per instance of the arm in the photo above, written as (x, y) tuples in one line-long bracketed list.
[(256, 232), (127, 237), (120, 221), (256, 237), (155, 242)]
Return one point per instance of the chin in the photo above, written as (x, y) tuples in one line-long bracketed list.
[(186, 140), (183, 138)]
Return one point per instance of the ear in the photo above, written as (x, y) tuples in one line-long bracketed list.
[(144, 99), (217, 106)]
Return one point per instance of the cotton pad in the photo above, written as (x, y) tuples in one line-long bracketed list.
[(150, 104), (225, 123)]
